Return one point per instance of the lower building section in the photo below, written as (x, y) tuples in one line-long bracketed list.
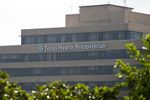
[(28, 83), (90, 72)]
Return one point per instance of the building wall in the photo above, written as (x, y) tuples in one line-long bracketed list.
[(109, 15), (106, 14), (72, 20), (139, 18), (70, 30), (111, 45)]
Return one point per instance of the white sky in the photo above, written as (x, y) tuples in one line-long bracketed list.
[(27, 14)]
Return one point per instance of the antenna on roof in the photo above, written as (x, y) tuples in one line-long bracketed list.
[(71, 9), (124, 1), (108, 2)]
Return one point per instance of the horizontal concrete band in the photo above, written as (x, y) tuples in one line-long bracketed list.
[(79, 63), (65, 78)]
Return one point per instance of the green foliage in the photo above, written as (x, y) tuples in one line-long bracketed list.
[(137, 78), (11, 91), (105, 93), (56, 90), (59, 90)]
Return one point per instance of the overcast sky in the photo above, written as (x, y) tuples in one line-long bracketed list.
[(27, 14)]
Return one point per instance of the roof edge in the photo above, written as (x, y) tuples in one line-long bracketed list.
[(107, 5)]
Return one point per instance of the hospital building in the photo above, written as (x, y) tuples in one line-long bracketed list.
[(84, 51)]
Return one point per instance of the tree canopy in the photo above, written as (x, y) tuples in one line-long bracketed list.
[(137, 77)]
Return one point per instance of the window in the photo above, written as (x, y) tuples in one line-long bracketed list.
[(51, 39), (58, 71), (93, 37), (62, 56), (81, 37)]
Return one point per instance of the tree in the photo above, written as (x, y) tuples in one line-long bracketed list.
[(56, 90), (11, 91), (59, 90), (137, 77)]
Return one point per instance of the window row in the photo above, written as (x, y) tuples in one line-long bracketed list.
[(63, 56), (55, 71), (31, 85), (81, 37)]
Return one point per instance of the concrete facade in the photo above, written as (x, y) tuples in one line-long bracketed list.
[(108, 15)]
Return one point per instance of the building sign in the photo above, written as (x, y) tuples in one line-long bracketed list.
[(72, 47)]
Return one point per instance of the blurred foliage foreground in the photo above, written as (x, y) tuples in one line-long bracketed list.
[(136, 79)]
